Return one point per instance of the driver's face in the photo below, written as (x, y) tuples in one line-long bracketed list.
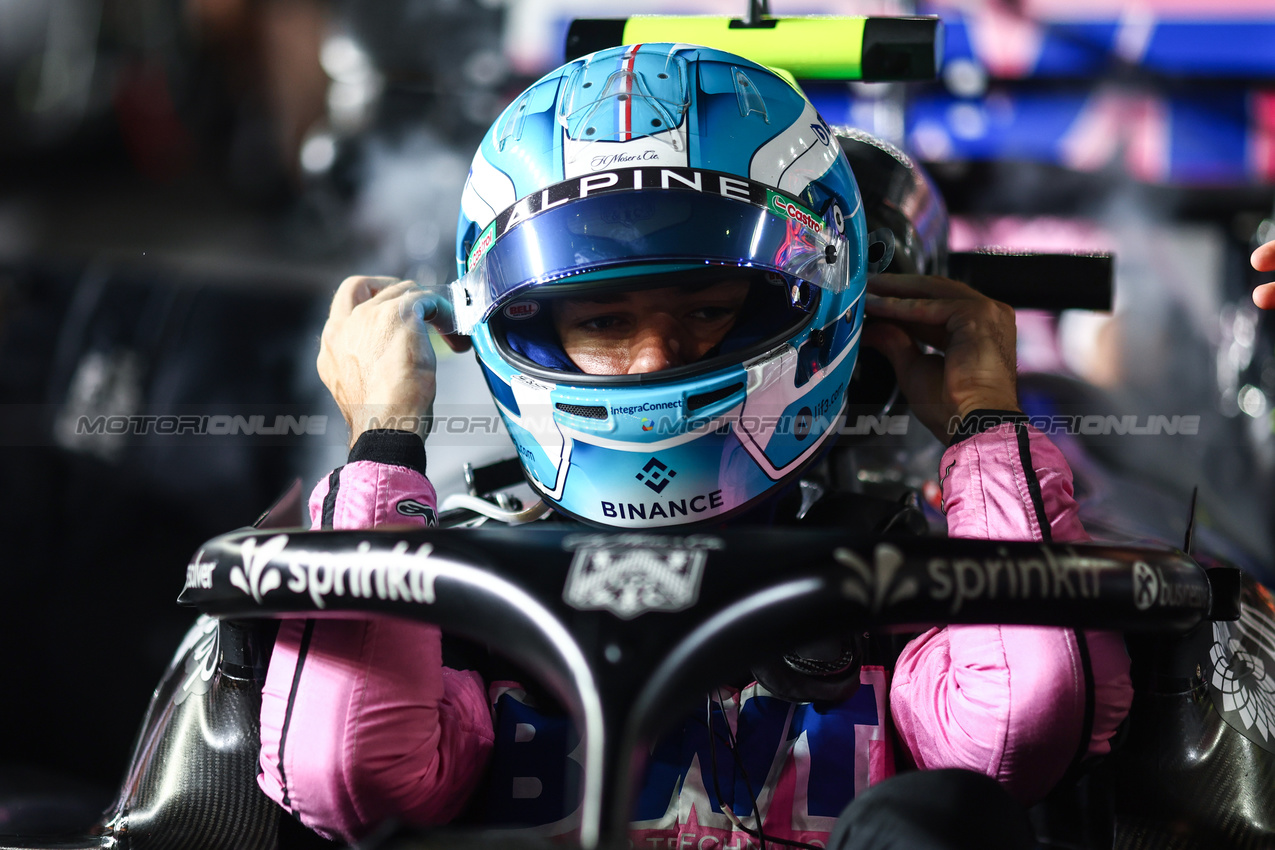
[(630, 333)]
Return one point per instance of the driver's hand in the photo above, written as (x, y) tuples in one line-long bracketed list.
[(977, 336), (1263, 260), (375, 355)]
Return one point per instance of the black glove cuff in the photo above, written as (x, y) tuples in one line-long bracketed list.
[(983, 419), (398, 448)]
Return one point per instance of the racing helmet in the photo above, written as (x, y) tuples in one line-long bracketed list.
[(648, 172)]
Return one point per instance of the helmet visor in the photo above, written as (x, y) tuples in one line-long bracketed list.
[(651, 327), (619, 230)]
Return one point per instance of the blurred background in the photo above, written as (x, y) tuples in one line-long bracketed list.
[(183, 183)]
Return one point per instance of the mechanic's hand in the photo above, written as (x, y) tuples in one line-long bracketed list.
[(1263, 260), (375, 356), (976, 335)]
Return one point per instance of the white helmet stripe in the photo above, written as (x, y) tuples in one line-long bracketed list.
[(536, 415), (798, 155), (768, 392), (487, 191)]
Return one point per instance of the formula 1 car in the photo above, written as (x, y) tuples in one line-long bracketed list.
[(622, 627)]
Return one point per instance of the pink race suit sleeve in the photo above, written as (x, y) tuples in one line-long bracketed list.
[(1009, 701), (360, 720)]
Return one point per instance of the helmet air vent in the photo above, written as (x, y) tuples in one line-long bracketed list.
[(695, 402), (587, 411), (749, 98), (604, 104), (513, 124)]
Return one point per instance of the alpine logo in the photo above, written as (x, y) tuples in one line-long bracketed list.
[(801, 426), (411, 507), (656, 475), (664, 178)]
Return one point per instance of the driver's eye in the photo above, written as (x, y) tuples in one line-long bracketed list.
[(599, 323), (713, 313)]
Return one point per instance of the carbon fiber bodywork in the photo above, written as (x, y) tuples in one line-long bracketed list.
[(192, 781), (1194, 773)]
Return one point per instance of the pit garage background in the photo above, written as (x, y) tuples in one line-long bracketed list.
[(183, 183)]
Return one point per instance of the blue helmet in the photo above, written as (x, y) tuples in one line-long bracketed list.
[(648, 166)]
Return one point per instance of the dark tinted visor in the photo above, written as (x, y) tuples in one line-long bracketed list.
[(653, 327), (613, 233)]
